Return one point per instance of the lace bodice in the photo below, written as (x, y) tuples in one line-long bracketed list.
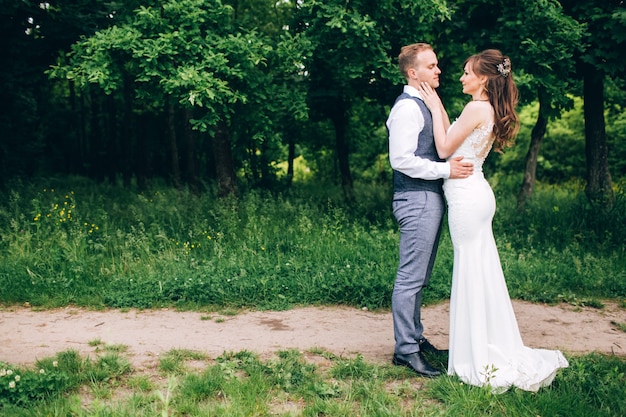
[(476, 146)]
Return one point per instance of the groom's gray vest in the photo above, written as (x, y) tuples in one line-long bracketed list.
[(426, 150)]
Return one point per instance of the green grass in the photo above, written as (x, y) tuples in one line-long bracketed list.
[(293, 383), (71, 241)]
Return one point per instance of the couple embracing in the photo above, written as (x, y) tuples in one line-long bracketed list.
[(435, 164)]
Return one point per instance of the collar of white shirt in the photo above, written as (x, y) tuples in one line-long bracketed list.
[(412, 91)]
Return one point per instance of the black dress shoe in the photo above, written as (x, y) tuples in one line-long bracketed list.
[(417, 363), (426, 347)]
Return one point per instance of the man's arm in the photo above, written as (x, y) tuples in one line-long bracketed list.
[(405, 123)]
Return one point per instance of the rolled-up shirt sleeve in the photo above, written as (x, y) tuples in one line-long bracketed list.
[(405, 123)]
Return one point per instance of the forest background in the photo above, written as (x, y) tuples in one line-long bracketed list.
[(239, 93), (134, 132)]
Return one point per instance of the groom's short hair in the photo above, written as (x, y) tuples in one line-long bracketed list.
[(408, 56)]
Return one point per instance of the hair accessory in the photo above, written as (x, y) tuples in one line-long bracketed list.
[(505, 68)]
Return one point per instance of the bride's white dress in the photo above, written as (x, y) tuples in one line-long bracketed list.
[(486, 347)]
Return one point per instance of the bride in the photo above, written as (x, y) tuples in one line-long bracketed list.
[(485, 346)]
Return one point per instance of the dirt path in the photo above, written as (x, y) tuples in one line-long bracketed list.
[(28, 335)]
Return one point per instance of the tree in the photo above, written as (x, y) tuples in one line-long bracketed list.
[(353, 58), (182, 53), (268, 121), (549, 62), (601, 57), (189, 60)]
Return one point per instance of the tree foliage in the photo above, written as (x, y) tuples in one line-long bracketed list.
[(353, 58), (226, 91), (191, 53)]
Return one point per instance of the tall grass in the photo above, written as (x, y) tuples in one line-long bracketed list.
[(560, 247), (71, 240)]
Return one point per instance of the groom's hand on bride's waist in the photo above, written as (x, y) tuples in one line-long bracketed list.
[(459, 168)]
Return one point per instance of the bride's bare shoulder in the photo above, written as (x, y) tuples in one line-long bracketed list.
[(477, 113)]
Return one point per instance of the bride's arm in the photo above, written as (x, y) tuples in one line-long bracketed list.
[(448, 139), (444, 116)]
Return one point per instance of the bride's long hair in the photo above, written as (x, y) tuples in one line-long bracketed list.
[(502, 92)]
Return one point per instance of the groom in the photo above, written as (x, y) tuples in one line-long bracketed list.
[(418, 202)]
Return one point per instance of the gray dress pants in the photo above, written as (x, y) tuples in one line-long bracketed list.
[(419, 215)]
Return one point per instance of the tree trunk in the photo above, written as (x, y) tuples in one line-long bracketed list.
[(340, 121), (190, 152), (83, 135), (97, 149), (599, 188), (290, 160), (128, 166), (174, 160), (536, 137), (111, 138), (267, 175), (224, 167), (73, 140), (145, 128), (253, 159)]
